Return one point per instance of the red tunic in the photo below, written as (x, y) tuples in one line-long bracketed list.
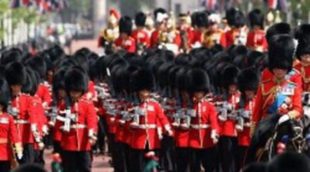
[(40, 117), (8, 136), (141, 37), (129, 44), (266, 97), (228, 127), (305, 75), (244, 138), (256, 40), (77, 139), (234, 37), (44, 92), (202, 124), (153, 120), (57, 131)]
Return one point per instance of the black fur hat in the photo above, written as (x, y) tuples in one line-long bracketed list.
[(201, 19), (15, 73), (140, 19), (256, 18), (59, 80), (236, 18), (303, 36), (180, 78), (248, 79), (142, 79), (229, 75), (199, 80), (39, 65), (278, 28), (281, 52), (125, 25), (11, 55), (4, 93), (290, 162), (32, 82), (76, 80)]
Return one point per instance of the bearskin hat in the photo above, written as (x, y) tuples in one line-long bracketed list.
[(199, 80), (4, 93), (142, 79), (256, 18), (248, 79), (288, 162), (59, 80), (125, 25), (140, 19), (76, 80), (32, 81), (229, 75), (303, 36), (11, 55), (201, 19), (235, 18), (39, 65), (281, 52), (15, 73), (278, 28), (180, 77)]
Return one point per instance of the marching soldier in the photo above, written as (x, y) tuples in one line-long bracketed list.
[(303, 55), (22, 108), (125, 41), (256, 39), (140, 34), (201, 23), (204, 127), (248, 81), (159, 34), (237, 35), (227, 117), (111, 33), (278, 99), (186, 32), (149, 122), (10, 142), (80, 123)]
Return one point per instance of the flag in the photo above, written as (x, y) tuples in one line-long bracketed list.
[(272, 4), (26, 3)]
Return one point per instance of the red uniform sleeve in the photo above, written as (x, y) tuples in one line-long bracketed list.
[(154, 39), (257, 111), (213, 118), (91, 120), (13, 136), (132, 47), (296, 100), (223, 40), (162, 118)]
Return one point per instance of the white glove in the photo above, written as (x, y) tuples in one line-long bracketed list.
[(214, 136), (45, 129), (283, 119)]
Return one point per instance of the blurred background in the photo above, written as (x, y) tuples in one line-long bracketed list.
[(47, 22)]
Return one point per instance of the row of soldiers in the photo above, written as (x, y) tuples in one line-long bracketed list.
[(199, 29), (161, 111)]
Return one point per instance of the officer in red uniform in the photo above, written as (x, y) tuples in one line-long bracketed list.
[(186, 32), (214, 33), (9, 138), (256, 39), (237, 35), (140, 34), (23, 108), (79, 133), (303, 55), (125, 41), (149, 122), (204, 127), (248, 81), (227, 117), (278, 99), (293, 75)]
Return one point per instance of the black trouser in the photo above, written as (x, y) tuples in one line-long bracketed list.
[(39, 157), (228, 151), (182, 159), (28, 154), (205, 157), (167, 154), (119, 161), (102, 134), (138, 160), (242, 150), (5, 166), (74, 161)]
